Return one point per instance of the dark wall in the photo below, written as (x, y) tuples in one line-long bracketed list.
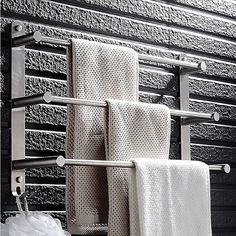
[(203, 29)]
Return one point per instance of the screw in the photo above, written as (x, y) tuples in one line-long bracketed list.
[(18, 27), (19, 179)]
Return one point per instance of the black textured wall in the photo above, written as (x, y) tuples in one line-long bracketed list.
[(201, 29)]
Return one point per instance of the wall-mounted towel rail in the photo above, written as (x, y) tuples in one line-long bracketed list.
[(61, 161), (48, 98), (18, 41)]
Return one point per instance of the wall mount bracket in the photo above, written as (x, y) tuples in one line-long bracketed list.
[(17, 115)]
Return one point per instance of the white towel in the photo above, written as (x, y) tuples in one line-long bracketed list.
[(96, 71), (169, 198), (134, 130)]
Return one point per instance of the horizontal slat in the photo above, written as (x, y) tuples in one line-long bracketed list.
[(117, 26), (152, 81), (224, 232), (54, 141), (213, 153), (211, 132), (227, 8), (222, 197), (46, 196), (221, 219), (223, 179), (143, 10)]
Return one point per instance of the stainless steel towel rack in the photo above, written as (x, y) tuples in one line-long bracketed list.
[(18, 101)]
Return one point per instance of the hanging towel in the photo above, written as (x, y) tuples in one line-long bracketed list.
[(169, 198), (96, 71), (134, 130)]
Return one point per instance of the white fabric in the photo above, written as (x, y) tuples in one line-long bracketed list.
[(35, 224), (134, 130), (96, 71), (169, 198)]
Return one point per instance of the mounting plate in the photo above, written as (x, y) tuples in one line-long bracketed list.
[(17, 114), (184, 105)]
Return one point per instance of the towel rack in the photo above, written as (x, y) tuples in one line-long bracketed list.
[(18, 102), (61, 162), (47, 97)]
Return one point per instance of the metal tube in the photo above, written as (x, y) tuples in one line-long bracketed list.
[(61, 161), (56, 41), (201, 67), (222, 167), (190, 114), (32, 100), (215, 117), (76, 101), (27, 39), (38, 163), (48, 98), (129, 164), (189, 65), (38, 37), (79, 162), (185, 64)]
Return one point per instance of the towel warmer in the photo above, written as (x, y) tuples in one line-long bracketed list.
[(19, 102)]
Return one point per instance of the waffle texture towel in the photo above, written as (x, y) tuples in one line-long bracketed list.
[(134, 130), (169, 198), (96, 71)]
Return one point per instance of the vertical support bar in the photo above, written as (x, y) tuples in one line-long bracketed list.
[(17, 115), (184, 105)]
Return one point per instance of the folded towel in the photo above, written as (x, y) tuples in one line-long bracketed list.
[(134, 130), (96, 71), (169, 198)]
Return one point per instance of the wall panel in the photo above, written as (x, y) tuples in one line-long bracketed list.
[(202, 30)]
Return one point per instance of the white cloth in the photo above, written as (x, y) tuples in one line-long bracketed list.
[(96, 71), (169, 198), (134, 130), (35, 224)]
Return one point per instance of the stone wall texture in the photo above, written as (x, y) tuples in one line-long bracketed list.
[(200, 29)]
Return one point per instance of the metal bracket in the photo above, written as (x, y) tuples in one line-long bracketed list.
[(184, 105), (17, 115)]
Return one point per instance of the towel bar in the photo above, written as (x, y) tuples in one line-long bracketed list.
[(48, 98), (61, 161), (38, 37)]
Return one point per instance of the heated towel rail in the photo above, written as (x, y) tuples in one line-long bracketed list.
[(18, 101)]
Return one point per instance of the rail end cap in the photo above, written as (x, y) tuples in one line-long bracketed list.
[(60, 161), (226, 168)]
